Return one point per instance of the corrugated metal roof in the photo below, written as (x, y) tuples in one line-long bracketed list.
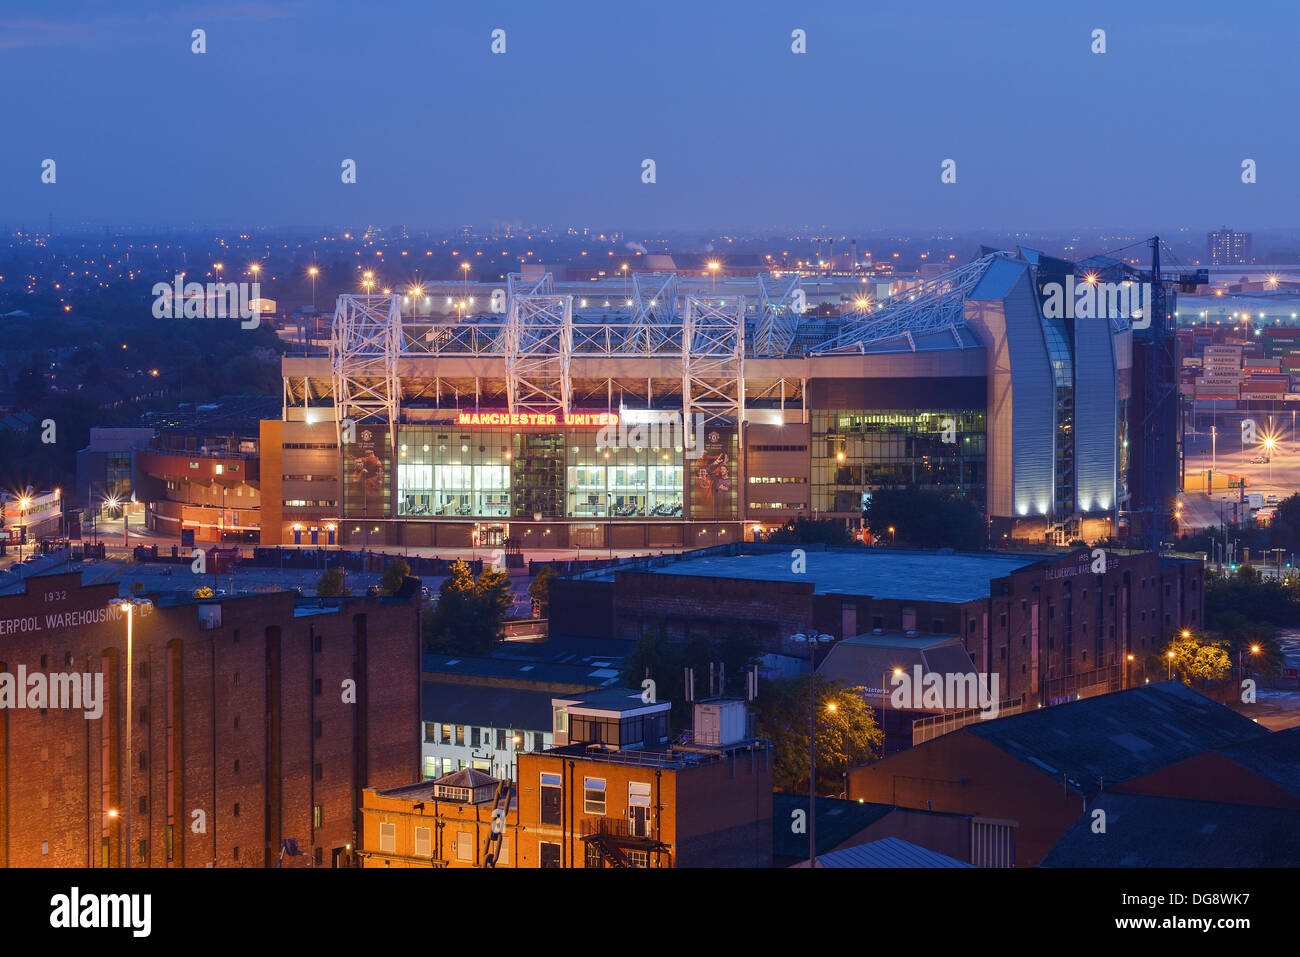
[(486, 707), (1145, 831), (1116, 737), (1275, 757), (887, 852)]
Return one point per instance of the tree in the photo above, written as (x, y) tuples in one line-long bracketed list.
[(395, 573), (470, 613), (203, 592), (847, 736), (664, 659), (540, 591), (809, 531), (923, 518), (331, 584), (1197, 660)]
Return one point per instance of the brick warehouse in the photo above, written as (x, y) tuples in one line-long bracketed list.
[(239, 715), (1049, 626)]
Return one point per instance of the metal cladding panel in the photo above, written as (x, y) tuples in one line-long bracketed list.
[(1034, 398), (1021, 409), (1096, 410)]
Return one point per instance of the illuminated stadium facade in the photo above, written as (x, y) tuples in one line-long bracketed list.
[(659, 411)]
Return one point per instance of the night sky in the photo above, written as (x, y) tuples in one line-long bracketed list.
[(745, 134)]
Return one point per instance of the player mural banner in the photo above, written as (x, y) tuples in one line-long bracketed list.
[(365, 473), (713, 476)]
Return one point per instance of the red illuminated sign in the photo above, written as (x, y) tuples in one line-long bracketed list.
[(537, 418)]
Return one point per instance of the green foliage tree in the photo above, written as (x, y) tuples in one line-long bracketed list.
[(1198, 659), (394, 574), (470, 613), (810, 531), (847, 735), (925, 518), (540, 591), (664, 659), (1252, 642), (331, 584)]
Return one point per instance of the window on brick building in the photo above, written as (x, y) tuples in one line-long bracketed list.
[(550, 802), (318, 687), (317, 815), (236, 722), (593, 795), (473, 737), (388, 838), (236, 765), (430, 732), (236, 810)]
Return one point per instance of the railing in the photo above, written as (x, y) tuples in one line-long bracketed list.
[(612, 827), (1084, 684), (927, 729)]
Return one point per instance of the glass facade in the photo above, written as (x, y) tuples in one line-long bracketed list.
[(854, 452), (454, 472)]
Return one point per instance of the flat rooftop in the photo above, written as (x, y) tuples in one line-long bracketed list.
[(879, 572)]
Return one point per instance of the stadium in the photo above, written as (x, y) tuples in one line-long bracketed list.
[(476, 415)]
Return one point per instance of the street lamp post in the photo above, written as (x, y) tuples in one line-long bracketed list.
[(1241, 670), (812, 639), (128, 608)]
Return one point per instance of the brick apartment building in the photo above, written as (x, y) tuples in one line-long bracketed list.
[(615, 792), (450, 822), (243, 731), (1049, 626)]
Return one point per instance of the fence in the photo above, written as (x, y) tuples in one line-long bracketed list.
[(926, 729)]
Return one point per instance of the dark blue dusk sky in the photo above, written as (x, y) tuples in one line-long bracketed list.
[(745, 134)]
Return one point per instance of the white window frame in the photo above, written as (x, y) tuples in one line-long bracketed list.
[(587, 803), (387, 838), (423, 838)]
